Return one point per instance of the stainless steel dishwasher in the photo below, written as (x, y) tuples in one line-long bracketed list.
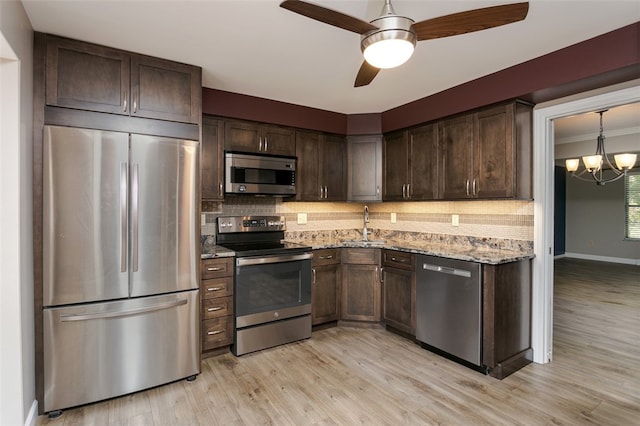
[(449, 308)]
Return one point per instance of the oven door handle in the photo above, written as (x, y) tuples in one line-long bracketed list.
[(247, 261)]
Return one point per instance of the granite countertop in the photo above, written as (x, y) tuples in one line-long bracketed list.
[(466, 249), (211, 251), (473, 254)]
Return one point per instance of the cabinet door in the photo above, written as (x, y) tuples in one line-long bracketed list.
[(456, 141), (211, 159), (364, 168), (423, 163), (360, 293), (494, 158), (396, 159), (333, 158), (85, 76), (325, 293), (308, 166), (399, 299), (242, 136), (165, 90), (278, 141)]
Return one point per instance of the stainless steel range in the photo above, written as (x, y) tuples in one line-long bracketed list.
[(272, 288)]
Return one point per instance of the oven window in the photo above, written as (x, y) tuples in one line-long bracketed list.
[(267, 287)]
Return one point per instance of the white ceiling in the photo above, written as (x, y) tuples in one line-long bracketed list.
[(254, 47)]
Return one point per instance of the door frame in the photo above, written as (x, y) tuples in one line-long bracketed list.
[(543, 194)]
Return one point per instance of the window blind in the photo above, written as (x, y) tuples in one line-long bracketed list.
[(632, 205)]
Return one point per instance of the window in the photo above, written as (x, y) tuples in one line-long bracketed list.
[(632, 205)]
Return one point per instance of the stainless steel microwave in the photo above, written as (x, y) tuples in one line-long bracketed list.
[(259, 174)]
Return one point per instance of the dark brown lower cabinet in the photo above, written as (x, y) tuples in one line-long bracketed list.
[(506, 317), (361, 289), (216, 293), (325, 289), (399, 291)]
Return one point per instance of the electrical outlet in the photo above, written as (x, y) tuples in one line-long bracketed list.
[(302, 218), (394, 218), (455, 220)]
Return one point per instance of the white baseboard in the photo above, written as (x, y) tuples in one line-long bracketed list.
[(603, 258), (32, 418)]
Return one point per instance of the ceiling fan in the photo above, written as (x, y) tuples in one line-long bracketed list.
[(388, 40)]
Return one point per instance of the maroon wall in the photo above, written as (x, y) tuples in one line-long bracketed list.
[(601, 61)]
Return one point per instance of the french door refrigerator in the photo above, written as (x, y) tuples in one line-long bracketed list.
[(120, 257)]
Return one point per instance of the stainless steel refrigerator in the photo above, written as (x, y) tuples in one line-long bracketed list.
[(120, 257)]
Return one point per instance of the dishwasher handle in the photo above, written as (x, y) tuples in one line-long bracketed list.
[(447, 270)]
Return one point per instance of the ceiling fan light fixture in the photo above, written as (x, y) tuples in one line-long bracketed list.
[(388, 53), (390, 46)]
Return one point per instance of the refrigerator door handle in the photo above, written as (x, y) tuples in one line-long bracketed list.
[(123, 216), (117, 314), (134, 217)]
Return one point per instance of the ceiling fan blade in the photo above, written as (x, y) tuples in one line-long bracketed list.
[(470, 21), (328, 16), (366, 74)]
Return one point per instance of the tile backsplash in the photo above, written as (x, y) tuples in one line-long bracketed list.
[(508, 219)]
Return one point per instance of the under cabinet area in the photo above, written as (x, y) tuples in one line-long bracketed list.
[(89, 77), (322, 167), (216, 290), (249, 136), (361, 291), (326, 285), (399, 290)]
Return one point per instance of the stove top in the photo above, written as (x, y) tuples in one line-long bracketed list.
[(256, 236)]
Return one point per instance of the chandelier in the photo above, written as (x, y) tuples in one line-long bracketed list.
[(594, 163)]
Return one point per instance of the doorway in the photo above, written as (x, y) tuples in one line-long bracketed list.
[(543, 166)]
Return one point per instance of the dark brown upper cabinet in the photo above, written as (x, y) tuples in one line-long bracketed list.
[(212, 159), (96, 78), (487, 154), (364, 168), (411, 164), (322, 167), (249, 136)]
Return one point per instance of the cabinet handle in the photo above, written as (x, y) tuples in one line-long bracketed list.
[(467, 187), (216, 308), (377, 190), (220, 190), (214, 269), (408, 191), (266, 144), (124, 107), (404, 189), (260, 143), (135, 106), (394, 259), (327, 257), (214, 288), (475, 193), (314, 275), (326, 192), (381, 274), (213, 333)]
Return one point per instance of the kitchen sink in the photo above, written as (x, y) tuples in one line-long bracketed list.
[(365, 242)]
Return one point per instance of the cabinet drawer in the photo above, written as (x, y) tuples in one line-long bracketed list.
[(217, 287), (218, 307), (217, 332), (360, 256), (398, 259), (216, 268), (326, 257)]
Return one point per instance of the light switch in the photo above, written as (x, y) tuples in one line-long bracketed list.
[(393, 218), (302, 218), (455, 220)]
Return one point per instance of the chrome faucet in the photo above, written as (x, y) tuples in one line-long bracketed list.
[(365, 232)]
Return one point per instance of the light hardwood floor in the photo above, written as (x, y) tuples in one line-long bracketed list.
[(344, 376)]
